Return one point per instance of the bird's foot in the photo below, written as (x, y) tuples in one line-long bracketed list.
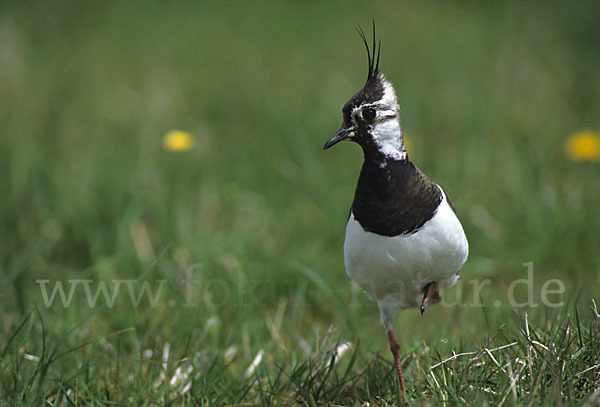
[(395, 348), (431, 295)]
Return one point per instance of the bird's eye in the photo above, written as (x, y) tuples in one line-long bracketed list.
[(369, 114)]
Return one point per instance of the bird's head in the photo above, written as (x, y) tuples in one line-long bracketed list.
[(371, 117)]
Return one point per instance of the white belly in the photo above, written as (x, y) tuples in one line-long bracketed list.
[(394, 270)]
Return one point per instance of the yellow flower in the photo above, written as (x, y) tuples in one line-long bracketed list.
[(178, 140), (583, 145)]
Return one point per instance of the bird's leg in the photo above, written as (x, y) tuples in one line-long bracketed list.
[(395, 348), (430, 295)]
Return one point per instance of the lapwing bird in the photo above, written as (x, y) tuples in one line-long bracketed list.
[(404, 241)]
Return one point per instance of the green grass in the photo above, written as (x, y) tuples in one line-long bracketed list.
[(255, 213)]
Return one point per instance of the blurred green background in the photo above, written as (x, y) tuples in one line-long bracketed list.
[(255, 212)]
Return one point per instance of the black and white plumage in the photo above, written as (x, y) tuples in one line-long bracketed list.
[(403, 239)]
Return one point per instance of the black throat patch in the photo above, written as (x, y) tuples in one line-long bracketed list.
[(396, 199)]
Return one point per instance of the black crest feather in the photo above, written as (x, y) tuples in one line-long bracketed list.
[(373, 61)]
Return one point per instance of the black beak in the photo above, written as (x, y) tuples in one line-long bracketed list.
[(341, 134)]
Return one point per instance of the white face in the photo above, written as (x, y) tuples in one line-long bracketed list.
[(385, 127)]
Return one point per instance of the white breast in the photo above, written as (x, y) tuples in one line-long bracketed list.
[(394, 270)]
